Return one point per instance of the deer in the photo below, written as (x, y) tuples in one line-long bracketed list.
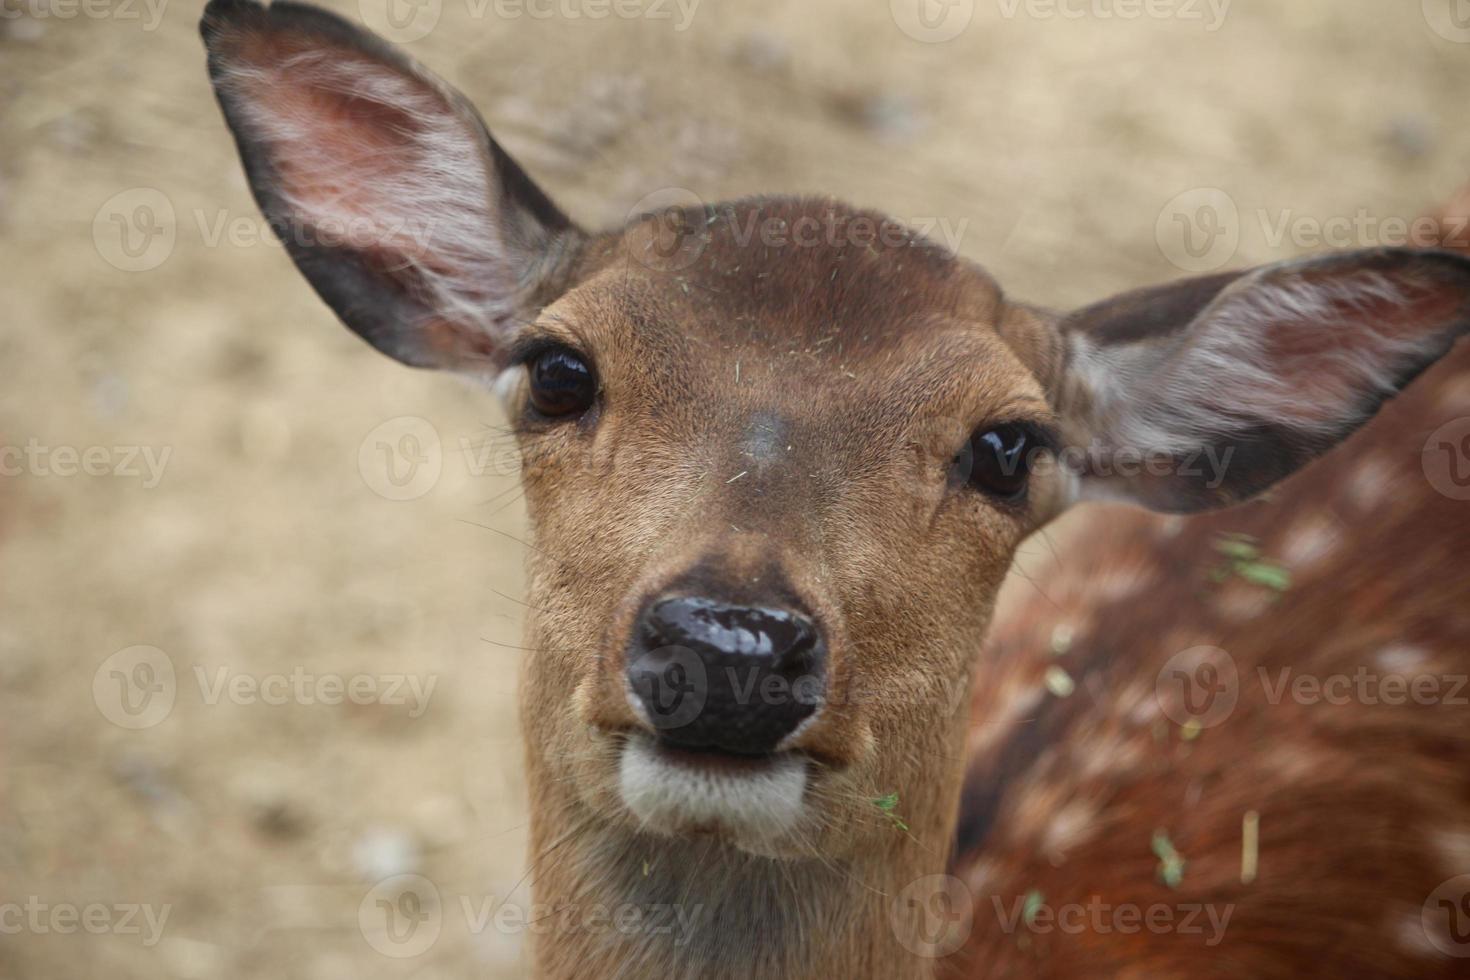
[(778, 456)]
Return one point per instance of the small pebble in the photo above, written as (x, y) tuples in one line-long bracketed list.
[(382, 853)]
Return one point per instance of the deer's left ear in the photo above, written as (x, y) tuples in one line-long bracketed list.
[(1204, 393)]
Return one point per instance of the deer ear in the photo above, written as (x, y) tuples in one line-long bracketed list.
[(404, 215), (1206, 392)]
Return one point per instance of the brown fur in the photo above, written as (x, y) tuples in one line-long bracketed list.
[(846, 481)]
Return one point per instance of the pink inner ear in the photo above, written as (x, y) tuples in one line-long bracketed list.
[(358, 149), (369, 156), (1309, 352)]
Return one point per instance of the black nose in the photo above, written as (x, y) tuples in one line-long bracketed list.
[(733, 678)]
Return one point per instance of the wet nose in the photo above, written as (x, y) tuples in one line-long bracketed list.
[(712, 675)]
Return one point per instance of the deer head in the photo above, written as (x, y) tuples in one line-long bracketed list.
[(777, 456)]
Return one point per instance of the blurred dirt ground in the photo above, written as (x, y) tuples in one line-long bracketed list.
[(143, 312)]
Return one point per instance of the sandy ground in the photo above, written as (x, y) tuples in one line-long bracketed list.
[(264, 559)]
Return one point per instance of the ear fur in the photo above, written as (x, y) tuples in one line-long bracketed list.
[(389, 194), (1206, 392)]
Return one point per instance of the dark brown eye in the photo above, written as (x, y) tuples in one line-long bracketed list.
[(561, 383), (997, 461)]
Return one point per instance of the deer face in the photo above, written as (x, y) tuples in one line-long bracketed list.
[(766, 546), (778, 453)]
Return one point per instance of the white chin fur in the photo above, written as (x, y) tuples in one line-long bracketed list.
[(671, 798)]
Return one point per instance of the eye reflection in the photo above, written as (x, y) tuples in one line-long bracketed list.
[(562, 383), (997, 461)]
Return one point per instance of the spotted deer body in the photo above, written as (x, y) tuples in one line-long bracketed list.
[(778, 454), (1298, 736)]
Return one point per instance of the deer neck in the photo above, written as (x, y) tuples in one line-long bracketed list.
[(615, 902)]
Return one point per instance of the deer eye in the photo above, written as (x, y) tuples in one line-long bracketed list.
[(562, 383), (996, 461)]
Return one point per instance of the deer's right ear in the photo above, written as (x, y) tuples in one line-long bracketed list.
[(390, 196)]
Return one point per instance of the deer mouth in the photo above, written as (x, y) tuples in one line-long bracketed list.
[(682, 791), (712, 760)]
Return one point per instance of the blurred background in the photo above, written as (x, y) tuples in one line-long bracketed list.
[(262, 586)]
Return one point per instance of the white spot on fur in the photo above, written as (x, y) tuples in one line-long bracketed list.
[(1454, 397), (978, 877), (1296, 764), (1401, 658), (1119, 584), (1243, 600), (1108, 753), (1139, 703), (1071, 826), (1370, 482), (672, 798), (1310, 540), (1454, 849), (1408, 932)]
